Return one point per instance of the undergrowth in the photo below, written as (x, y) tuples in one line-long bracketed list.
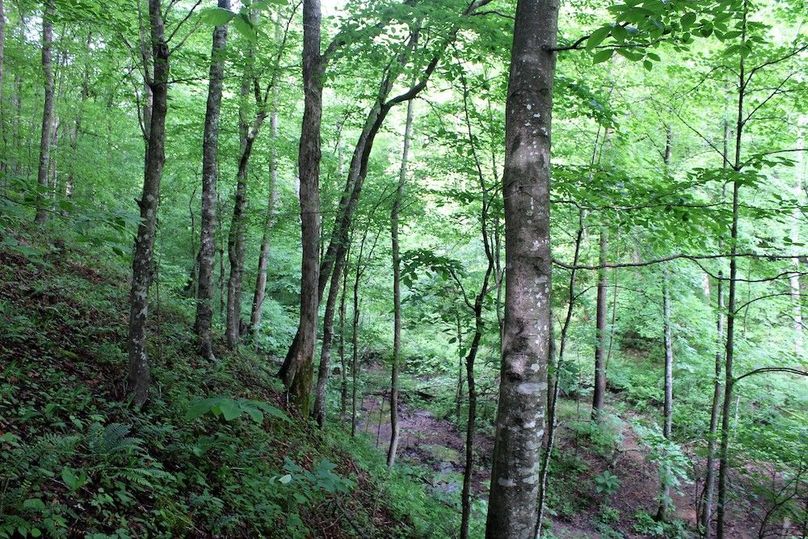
[(213, 453)]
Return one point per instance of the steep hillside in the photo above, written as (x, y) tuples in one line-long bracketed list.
[(213, 453)]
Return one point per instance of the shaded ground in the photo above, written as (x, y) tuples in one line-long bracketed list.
[(438, 445), (428, 440)]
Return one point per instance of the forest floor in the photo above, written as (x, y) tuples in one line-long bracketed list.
[(437, 444)]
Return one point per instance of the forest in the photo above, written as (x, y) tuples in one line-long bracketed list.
[(404, 268)]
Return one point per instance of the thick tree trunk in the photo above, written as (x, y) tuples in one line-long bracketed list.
[(47, 112), (512, 507), (601, 331), (297, 371), (210, 149), (139, 374), (396, 254)]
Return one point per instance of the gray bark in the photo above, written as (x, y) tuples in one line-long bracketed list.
[(269, 221), (396, 254), (667, 407), (729, 356), (297, 371), (210, 173), (513, 501), (139, 373), (601, 332), (706, 510), (47, 112)]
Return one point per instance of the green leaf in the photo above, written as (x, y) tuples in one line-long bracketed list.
[(244, 26), (199, 408), (72, 480), (688, 19), (216, 16), (597, 37), (33, 504), (602, 56), (229, 408)]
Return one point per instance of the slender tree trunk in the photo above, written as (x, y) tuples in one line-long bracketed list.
[(235, 237), (601, 333), (47, 112), (552, 402), (709, 481), (355, 348), (459, 389), (796, 219), (706, 512), (210, 173), (297, 375), (513, 501), (3, 162), (394, 217), (139, 374), (325, 352), (341, 347), (731, 304), (74, 136), (269, 221), (667, 407)]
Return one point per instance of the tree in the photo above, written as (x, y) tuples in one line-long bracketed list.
[(210, 172), (157, 82), (601, 331), (394, 217), (512, 508), (47, 111), (297, 376)]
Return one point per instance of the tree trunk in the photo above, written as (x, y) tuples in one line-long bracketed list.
[(709, 481), (355, 349), (297, 371), (47, 113), (512, 508), (325, 352), (341, 348), (269, 221), (459, 389), (706, 512), (139, 375), (3, 161), (210, 172), (667, 407), (396, 253), (796, 219), (723, 467), (235, 237), (556, 375), (601, 333), (74, 136)]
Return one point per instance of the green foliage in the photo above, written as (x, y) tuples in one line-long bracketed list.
[(606, 483)]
